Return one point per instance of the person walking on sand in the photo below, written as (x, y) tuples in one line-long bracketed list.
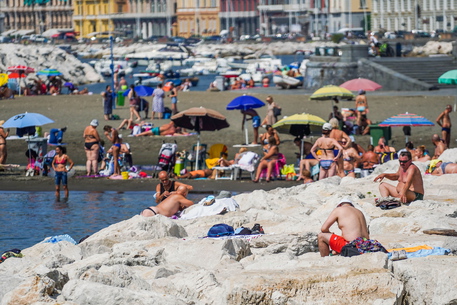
[(113, 135), (410, 186), (167, 187), (255, 122), (270, 118), (107, 103), (134, 103), (351, 222), (3, 135), (59, 165), (157, 102), (91, 147), (327, 158), (174, 99), (445, 122), (170, 206)]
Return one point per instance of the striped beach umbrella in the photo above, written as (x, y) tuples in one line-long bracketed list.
[(406, 119), (49, 72)]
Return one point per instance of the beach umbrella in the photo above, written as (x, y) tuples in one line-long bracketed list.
[(49, 72), (141, 91), (406, 119), (27, 119), (3, 79), (21, 71), (300, 125), (330, 92), (449, 78), (200, 119), (16, 75), (361, 84), (245, 102)]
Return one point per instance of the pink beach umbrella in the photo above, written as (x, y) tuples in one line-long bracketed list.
[(361, 84)]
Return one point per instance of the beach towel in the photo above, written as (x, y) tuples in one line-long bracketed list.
[(59, 238), (218, 206), (425, 253)]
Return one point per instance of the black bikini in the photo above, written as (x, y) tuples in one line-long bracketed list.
[(150, 210)]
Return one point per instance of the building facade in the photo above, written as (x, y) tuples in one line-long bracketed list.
[(239, 17), (284, 16), (127, 18), (31, 17), (197, 17), (409, 15)]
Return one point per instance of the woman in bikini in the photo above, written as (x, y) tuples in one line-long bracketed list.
[(419, 154), (3, 135), (92, 147), (269, 159), (339, 136), (361, 106), (327, 158), (271, 132), (350, 159), (59, 165), (113, 135)]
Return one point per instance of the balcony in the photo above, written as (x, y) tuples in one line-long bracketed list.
[(271, 8)]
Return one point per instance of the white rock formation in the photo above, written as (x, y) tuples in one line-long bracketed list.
[(48, 57), (157, 260)]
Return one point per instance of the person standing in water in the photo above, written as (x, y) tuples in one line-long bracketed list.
[(59, 164)]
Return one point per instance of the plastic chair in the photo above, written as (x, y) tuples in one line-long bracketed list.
[(216, 151), (276, 172)]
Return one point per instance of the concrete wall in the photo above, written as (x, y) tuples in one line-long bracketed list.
[(319, 74)]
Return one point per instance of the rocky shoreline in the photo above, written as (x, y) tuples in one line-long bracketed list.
[(158, 260)]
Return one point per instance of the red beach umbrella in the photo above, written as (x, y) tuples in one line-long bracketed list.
[(16, 75), (21, 69), (361, 84)]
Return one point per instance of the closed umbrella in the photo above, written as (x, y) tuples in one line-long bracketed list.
[(245, 102), (200, 119), (361, 84), (300, 125), (406, 119)]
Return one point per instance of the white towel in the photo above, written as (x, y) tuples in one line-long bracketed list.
[(199, 210)]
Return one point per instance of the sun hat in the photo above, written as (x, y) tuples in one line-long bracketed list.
[(94, 123), (344, 200), (2, 122), (327, 126)]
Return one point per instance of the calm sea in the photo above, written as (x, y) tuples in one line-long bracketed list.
[(26, 218)]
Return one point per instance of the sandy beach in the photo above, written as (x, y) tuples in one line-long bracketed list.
[(76, 112)]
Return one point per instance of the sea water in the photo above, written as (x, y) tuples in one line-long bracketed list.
[(27, 218)]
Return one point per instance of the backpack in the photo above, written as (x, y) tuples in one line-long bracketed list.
[(220, 230)]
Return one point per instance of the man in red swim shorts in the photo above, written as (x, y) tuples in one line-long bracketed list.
[(350, 221)]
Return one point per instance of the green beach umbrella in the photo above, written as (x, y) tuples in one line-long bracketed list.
[(449, 78)]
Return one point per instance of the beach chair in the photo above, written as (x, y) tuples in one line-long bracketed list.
[(167, 158), (276, 172), (216, 151), (248, 162)]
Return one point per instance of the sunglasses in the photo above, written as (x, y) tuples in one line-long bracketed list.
[(403, 161)]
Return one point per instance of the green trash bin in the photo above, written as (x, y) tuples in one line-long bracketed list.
[(377, 132), (317, 51), (120, 98)]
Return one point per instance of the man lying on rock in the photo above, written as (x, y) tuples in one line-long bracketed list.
[(355, 237), (171, 205)]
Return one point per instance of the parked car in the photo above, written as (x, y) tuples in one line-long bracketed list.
[(401, 34), (25, 38), (214, 38), (4, 39), (38, 38), (177, 39)]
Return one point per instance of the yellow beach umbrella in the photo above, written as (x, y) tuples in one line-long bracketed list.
[(330, 92), (3, 79)]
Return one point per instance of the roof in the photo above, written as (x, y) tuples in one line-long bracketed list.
[(51, 32)]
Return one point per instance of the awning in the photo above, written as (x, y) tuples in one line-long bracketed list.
[(24, 32), (51, 32), (9, 32), (93, 34)]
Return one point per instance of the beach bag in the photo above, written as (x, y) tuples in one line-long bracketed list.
[(385, 157), (221, 229), (276, 111), (288, 169)]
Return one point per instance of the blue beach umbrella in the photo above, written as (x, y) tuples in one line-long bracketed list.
[(141, 91), (245, 102), (27, 119), (49, 72), (406, 119)]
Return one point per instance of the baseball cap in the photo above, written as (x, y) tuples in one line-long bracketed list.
[(327, 126), (94, 123), (344, 200)]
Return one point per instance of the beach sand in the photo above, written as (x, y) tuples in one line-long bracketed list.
[(76, 112)]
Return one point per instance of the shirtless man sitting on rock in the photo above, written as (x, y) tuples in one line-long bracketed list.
[(410, 186), (350, 221), (174, 203)]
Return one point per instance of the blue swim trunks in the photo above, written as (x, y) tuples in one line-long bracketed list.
[(256, 121), (60, 177), (156, 131)]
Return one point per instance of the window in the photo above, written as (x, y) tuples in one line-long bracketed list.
[(213, 3), (153, 7)]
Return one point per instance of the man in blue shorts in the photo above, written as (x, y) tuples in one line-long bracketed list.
[(254, 116)]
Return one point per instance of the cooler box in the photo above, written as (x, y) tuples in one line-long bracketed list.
[(120, 98), (377, 132), (179, 165)]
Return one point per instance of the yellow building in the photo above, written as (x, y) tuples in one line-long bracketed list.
[(94, 18), (197, 17)]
